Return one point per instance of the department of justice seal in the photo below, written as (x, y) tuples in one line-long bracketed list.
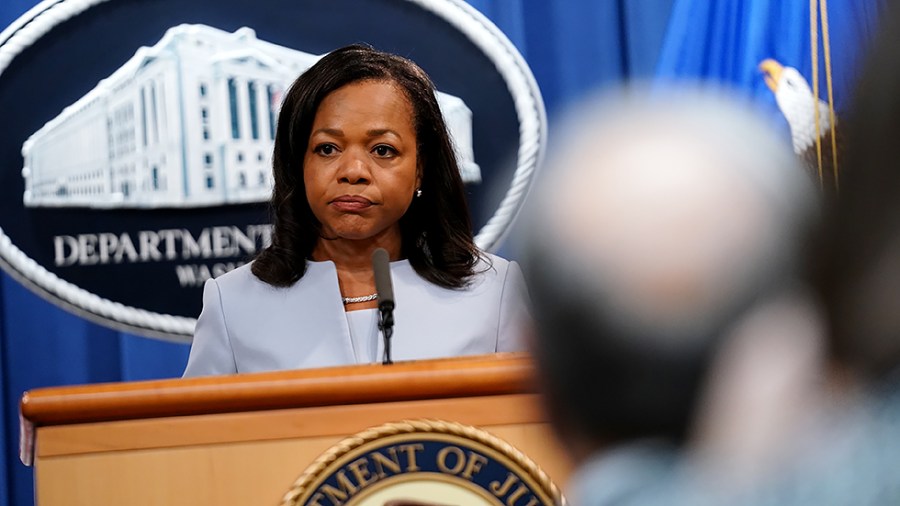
[(423, 463)]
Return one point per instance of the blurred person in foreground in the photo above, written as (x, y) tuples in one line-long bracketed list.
[(362, 160), (860, 278), (857, 459), (670, 225), (860, 281)]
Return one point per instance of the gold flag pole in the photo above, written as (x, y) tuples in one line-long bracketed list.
[(814, 53), (827, 47)]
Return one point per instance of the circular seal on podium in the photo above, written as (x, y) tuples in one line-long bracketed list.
[(423, 463)]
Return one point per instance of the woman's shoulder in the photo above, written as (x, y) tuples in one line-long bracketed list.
[(494, 269), (490, 262), (243, 278), (240, 278)]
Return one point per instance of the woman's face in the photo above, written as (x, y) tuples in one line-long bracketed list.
[(360, 168)]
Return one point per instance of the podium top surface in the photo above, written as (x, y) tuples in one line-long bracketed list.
[(496, 374)]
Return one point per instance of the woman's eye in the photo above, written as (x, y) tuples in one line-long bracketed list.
[(384, 150), (325, 149)]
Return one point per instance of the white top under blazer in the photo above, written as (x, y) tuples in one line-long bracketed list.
[(248, 325)]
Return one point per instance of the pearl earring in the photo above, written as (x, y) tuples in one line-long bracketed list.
[(418, 192)]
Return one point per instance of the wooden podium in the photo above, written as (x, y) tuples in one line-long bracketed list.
[(244, 439)]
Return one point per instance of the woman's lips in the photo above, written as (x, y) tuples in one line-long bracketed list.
[(351, 203)]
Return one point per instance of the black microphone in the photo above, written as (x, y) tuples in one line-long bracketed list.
[(385, 289)]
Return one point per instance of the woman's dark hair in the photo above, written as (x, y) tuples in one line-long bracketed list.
[(436, 231)]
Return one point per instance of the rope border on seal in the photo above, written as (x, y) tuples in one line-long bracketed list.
[(423, 426), (475, 26)]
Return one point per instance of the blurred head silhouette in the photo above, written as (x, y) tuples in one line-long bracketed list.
[(860, 281), (665, 221)]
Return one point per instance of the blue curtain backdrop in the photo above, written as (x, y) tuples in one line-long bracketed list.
[(572, 47)]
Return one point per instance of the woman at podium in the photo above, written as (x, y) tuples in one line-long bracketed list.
[(362, 160)]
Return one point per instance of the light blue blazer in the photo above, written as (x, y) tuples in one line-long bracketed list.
[(248, 325)]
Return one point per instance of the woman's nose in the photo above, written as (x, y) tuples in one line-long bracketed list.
[(354, 168)]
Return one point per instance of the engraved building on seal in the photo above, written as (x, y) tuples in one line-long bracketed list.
[(187, 122)]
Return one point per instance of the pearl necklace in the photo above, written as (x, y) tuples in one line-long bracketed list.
[(356, 300)]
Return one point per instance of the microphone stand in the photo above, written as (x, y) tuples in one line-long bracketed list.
[(386, 326), (381, 268)]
